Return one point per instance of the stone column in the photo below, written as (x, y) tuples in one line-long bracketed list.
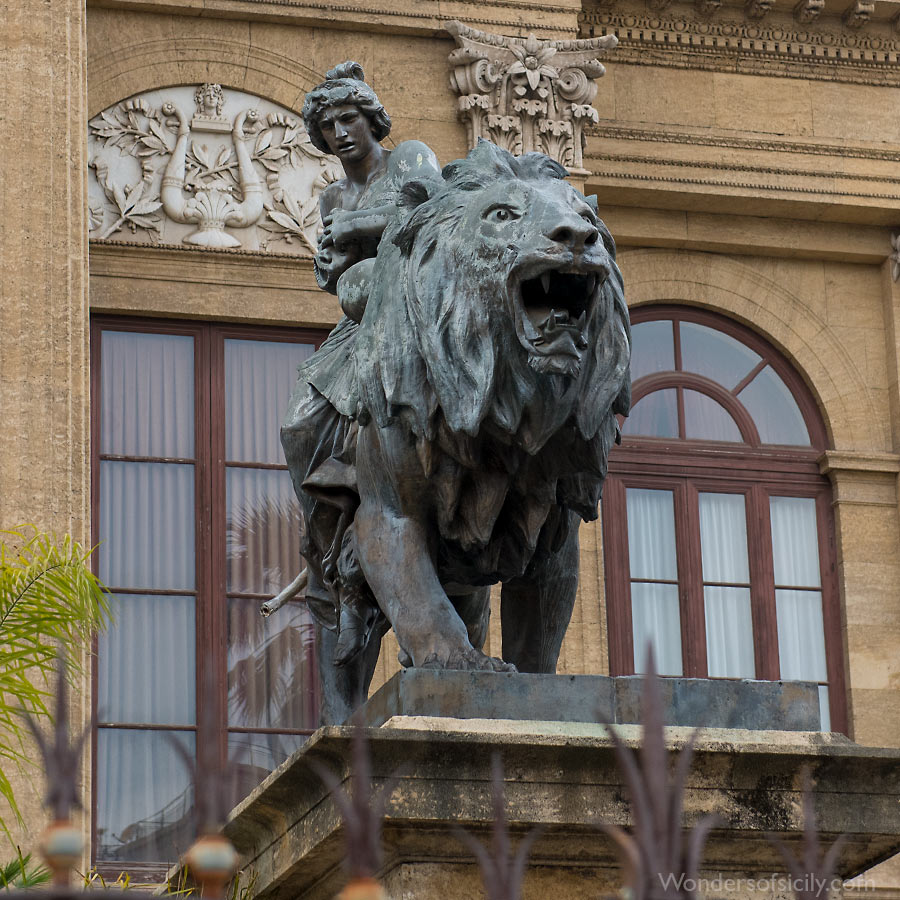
[(44, 387), (44, 460)]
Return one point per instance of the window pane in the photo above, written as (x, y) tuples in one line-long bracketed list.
[(256, 755), (723, 538), (795, 541), (147, 661), (824, 708), (147, 525), (716, 355), (706, 420), (656, 415), (652, 348), (271, 675), (144, 798), (774, 410), (147, 394), (801, 635), (263, 536), (656, 619), (651, 534), (259, 377), (729, 632)]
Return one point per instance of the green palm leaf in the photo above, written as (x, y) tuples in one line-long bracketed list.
[(49, 599)]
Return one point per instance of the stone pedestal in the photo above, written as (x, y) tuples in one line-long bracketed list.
[(562, 776)]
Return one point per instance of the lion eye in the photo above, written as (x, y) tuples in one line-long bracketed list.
[(501, 214)]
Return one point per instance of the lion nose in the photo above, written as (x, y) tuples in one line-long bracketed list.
[(575, 232)]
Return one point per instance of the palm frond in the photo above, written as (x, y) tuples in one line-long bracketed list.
[(49, 599)]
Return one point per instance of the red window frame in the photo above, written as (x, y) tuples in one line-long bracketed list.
[(688, 467), (210, 593)]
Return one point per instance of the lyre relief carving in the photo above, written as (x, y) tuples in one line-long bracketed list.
[(205, 166), (214, 208)]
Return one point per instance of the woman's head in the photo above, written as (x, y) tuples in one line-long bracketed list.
[(344, 85)]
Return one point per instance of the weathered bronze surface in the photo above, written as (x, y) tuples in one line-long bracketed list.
[(454, 427)]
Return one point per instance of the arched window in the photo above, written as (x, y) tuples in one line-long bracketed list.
[(718, 531)]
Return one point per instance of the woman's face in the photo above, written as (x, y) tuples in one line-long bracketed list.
[(348, 132)]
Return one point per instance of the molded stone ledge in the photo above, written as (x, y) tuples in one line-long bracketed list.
[(290, 839), (697, 702)]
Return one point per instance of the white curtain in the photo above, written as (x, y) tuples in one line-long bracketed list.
[(144, 798), (801, 623), (147, 396), (259, 378), (723, 551), (651, 534), (655, 612), (147, 661), (795, 542), (147, 525)]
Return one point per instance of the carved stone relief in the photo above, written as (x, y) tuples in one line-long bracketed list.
[(773, 46), (527, 94), (205, 167)]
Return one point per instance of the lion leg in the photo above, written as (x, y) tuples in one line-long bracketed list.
[(474, 609), (344, 688), (395, 544), (535, 608)]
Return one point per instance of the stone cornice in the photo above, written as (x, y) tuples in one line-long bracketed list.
[(612, 131), (821, 51), (426, 18)]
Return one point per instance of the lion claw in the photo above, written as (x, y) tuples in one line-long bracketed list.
[(470, 660)]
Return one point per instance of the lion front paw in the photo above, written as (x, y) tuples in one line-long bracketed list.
[(469, 660)]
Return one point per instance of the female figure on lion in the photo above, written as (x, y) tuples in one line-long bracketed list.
[(343, 117)]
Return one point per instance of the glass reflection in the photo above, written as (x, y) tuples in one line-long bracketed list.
[(256, 755), (655, 415), (716, 355), (652, 348), (271, 667), (774, 410), (263, 530)]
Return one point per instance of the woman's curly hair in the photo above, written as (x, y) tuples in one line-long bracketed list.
[(344, 84)]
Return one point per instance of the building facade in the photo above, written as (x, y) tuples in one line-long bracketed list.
[(159, 214)]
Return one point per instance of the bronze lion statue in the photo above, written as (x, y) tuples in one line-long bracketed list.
[(460, 430)]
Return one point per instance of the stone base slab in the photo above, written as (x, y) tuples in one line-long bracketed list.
[(698, 702)]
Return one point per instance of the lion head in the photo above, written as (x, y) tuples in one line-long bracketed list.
[(497, 304)]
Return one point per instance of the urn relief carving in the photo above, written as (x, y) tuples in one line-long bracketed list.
[(205, 167), (527, 94)]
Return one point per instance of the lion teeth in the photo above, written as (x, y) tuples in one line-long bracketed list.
[(545, 281), (581, 320)]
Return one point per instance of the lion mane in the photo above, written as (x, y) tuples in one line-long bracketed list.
[(509, 448)]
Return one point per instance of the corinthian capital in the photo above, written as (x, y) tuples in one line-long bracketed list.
[(510, 88)]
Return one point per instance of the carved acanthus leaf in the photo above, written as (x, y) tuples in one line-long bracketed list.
[(527, 94), (206, 167)]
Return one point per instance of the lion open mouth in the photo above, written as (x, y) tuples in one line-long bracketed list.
[(556, 306)]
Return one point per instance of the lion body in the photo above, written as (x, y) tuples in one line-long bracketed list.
[(484, 428)]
